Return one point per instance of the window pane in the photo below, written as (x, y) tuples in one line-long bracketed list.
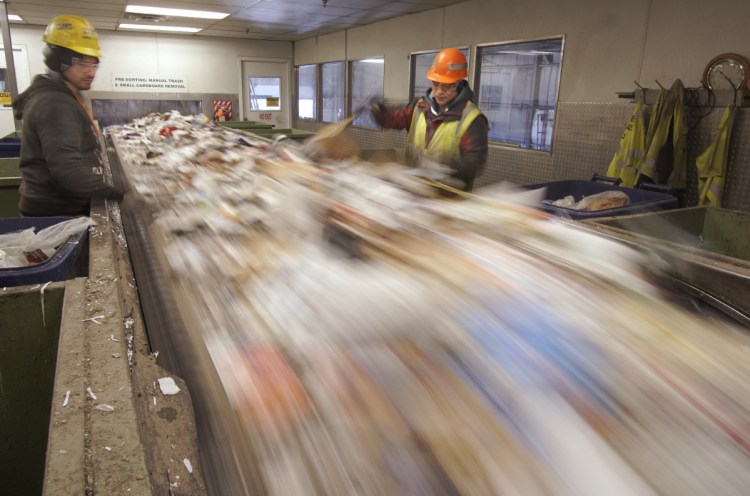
[(332, 91), (265, 93), (420, 64), (306, 91), (517, 91), (367, 83)]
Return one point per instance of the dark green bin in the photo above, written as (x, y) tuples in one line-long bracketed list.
[(291, 133), (28, 359), (10, 180), (245, 125)]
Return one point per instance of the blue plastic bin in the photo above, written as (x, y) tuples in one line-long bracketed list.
[(10, 147), (641, 200), (59, 267)]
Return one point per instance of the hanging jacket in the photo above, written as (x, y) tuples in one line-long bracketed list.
[(656, 109), (678, 176), (628, 158), (61, 163), (462, 142), (712, 163), (666, 155)]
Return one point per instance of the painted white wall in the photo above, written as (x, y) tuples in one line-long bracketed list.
[(683, 35), (331, 47), (608, 43), (210, 64)]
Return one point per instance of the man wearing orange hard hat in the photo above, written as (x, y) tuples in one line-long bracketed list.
[(61, 157), (445, 126)]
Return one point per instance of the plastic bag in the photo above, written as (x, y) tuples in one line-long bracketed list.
[(21, 248), (53, 236), (603, 201), (567, 202), (12, 245)]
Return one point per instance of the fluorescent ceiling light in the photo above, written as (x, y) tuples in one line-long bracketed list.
[(14, 17), (174, 29), (201, 14), (372, 61)]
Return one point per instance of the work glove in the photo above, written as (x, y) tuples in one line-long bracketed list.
[(376, 107)]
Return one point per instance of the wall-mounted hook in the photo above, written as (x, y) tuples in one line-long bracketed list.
[(638, 84), (659, 84)]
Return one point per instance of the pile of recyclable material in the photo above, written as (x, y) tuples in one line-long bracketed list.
[(466, 346)]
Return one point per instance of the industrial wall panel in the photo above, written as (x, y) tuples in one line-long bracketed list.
[(587, 136), (515, 166), (737, 188)]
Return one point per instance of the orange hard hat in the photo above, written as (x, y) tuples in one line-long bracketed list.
[(449, 66)]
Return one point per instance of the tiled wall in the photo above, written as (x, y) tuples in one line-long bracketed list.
[(587, 136)]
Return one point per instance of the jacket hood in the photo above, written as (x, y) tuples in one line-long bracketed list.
[(464, 94), (41, 83)]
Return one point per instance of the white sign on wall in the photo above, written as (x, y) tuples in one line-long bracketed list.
[(146, 82)]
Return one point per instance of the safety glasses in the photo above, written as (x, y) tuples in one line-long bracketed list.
[(85, 65), (443, 86)]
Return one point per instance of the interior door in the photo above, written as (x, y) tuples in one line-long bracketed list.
[(23, 79), (265, 92)]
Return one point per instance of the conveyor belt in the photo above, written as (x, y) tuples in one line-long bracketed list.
[(226, 471), (612, 361)]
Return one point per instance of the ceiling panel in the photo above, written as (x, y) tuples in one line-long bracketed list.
[(284, 20)]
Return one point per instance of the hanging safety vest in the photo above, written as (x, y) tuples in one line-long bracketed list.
[(628, 158), (712, 163), (444, 146)]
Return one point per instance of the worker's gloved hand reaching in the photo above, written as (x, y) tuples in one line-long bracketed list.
[(376, 107), (431, 169)]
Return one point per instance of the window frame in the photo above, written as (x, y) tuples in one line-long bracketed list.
[(350, 97), (316, 99), (343, 85), (280, 97), (476, 87)]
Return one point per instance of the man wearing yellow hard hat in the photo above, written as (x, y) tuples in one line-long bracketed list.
[(61, 157), (444, 125)]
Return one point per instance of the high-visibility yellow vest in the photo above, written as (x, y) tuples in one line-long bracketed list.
[(711, 164), (444, 146), (628, 158)]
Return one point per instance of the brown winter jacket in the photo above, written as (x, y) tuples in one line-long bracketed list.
[(61, 162)]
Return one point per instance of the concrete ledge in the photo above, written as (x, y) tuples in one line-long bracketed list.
[(117, 433), (65, 472)]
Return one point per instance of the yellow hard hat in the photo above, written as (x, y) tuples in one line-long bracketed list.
[(74, 33), (449, 66)]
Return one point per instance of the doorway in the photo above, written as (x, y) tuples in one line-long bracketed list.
[(23, 79), (265, 93)]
